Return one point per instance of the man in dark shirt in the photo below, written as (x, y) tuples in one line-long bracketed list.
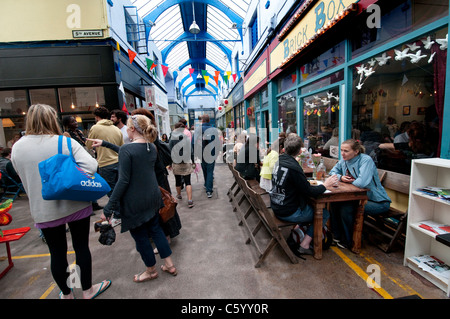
[(291, 189)]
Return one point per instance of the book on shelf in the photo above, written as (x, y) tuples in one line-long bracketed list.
[(435, 227), (432, 265), (443, 193)]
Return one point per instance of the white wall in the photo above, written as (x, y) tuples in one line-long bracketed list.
[(116, 20)]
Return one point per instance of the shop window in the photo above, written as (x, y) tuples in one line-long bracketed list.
[(400, 87), (325, 61), (287, 112), (396, 20), (13, 107), (81, 99), (287, 82), (43, 96), (321, 121), (324, 82)]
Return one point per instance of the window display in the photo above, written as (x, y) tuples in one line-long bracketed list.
[(399, 94)]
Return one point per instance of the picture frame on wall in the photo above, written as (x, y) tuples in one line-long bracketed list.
[(406, 109)]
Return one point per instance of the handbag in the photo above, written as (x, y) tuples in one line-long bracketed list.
[(170, 203), (63, 179)]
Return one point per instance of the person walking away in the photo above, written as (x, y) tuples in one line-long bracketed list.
[(104, 129), (51, 216), (291, 189), (119, 118), (138, 197), (180, 147), (358, 169), (207, 140)]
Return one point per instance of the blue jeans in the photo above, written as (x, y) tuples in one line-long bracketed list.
[(141, 235), (306, 216), (208, 175), (111, 174), (343, 217)]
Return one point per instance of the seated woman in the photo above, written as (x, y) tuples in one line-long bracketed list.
[(269, 162), (360, 170), (248, 160)]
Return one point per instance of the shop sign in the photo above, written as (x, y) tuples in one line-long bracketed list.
[(315, 22), (150, 101), (87, 33), (259, 75), (155, 98)]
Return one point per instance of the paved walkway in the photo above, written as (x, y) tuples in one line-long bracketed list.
[(213, 262)]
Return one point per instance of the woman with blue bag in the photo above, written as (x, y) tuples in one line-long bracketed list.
[(51, 216)]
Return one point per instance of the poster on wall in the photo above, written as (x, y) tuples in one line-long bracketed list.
[(150, 100)]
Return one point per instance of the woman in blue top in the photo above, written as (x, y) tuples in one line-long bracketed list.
[(360, 170)]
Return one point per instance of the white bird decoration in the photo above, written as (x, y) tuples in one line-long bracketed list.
[(316, 97), (400, 55), (416, 57), (372, 62), (427, 43), (359, 86), (325, 101), (413, 47), (330, 95), (361, 69), (443, 42), (369, 72), (382, 60), (431, 57)]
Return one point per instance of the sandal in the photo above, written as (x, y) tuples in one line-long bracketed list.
[(170, 270), (105, 284), (151, 275)]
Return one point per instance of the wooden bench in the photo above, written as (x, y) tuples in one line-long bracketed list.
[(391, 225), (9, 236), (255, 201)]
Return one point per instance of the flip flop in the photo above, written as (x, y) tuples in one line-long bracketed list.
[(60, 295), (152, 275), (104, 285)]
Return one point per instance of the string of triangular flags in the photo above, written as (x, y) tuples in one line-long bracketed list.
[(165, 68)]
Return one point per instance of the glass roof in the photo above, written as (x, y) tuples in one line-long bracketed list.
[(170, 26)]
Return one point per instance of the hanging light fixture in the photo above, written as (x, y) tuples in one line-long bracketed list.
[(194, 28)]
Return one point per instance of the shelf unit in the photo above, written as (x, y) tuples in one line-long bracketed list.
[(422, 207)]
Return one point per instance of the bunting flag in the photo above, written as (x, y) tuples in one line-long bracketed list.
[(228, 73), (234, 77), (149, 64), (217, 79), (225, 78), (302, 69), (217, 73), (121, 88), (124, 108), (294, 78), (191, 71), (304, 76), (164, 68), (206, 77), (204, 73), (131, 55), (118, 46)]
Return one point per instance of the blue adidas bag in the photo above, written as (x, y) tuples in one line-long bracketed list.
[(63, 179)]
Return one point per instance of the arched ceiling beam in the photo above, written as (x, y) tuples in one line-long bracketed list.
[(202, 36), (152, 16)]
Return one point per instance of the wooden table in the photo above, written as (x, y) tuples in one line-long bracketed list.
[(344, 192)]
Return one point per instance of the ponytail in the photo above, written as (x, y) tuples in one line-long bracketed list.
[(355, 145)]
